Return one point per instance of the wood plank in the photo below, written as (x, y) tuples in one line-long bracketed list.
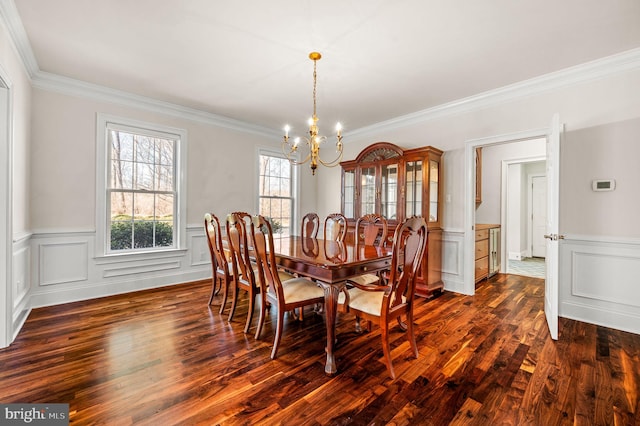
[(164, 356)]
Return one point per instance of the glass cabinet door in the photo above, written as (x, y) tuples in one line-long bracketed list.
[(413, 189), (389, 191), (368, 191), (434, 171), (349, 194)]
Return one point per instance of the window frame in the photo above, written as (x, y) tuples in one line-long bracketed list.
[(106, 122), (295, 185)]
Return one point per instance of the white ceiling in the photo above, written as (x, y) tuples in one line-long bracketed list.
[(248, 60)]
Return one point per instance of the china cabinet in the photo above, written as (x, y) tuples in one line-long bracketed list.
[(397, 184)]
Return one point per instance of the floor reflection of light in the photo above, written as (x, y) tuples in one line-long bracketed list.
[(134, 349)]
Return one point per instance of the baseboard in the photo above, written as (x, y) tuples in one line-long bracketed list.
[(603, 317), (516, 255)]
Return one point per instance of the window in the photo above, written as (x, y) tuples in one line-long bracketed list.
[(276, 192), (142, 199)]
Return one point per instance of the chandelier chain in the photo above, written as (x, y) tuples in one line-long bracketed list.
[(314, 87)]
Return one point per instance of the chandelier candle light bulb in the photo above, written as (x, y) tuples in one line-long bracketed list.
[(315, 140)]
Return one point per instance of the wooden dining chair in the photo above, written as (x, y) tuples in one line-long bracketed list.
[(285, 295), (244, 268), (371, 230), (310, 226), (241, 263), (335, 227), (394, 300), (222, 270)]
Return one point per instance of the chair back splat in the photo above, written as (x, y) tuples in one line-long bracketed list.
[(409, 244), (371, 230), (335, 227), (310, 226), (222, 273)]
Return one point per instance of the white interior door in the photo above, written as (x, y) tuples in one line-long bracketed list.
[(551, 294), (6, 301), (538, 215)]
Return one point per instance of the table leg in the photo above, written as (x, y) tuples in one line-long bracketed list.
[(331, 293)]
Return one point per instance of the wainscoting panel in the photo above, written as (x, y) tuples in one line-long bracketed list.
[(63, 262), (21, 274), (453, 260), (200, 253), (599, 281), (21, 283), (141, 267)]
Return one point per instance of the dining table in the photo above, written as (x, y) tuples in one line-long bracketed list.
[(329, 263)]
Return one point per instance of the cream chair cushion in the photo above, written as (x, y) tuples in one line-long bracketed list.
[(366, 279), (284, 276), (366, 301), (298, 289)]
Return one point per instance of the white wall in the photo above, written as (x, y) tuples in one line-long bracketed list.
[(587, 108), (221, 177), (581, 105), (609, 150)]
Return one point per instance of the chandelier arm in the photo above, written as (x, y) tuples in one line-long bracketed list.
[(294, 149), (333, 163), (298, 163)]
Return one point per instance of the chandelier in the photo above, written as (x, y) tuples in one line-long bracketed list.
[(314, 140)]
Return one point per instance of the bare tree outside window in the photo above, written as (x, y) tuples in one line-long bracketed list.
[(141, 190)]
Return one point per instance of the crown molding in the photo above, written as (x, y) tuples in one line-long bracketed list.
[(69, 86), (21, 45), (603, 67)]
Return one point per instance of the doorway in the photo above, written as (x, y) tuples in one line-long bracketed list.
[(507, 169), (551, 135), (524, 210), (509, 143)]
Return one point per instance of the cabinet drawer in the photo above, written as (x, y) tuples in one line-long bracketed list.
[(482, 249), (482, 234), (482, 268)]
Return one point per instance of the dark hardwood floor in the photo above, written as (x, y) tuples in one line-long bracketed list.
[(164, 357)]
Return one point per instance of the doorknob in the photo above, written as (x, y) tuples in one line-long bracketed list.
[(554, 237)]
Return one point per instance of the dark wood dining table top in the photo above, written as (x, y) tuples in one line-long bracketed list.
[(327, 260)]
